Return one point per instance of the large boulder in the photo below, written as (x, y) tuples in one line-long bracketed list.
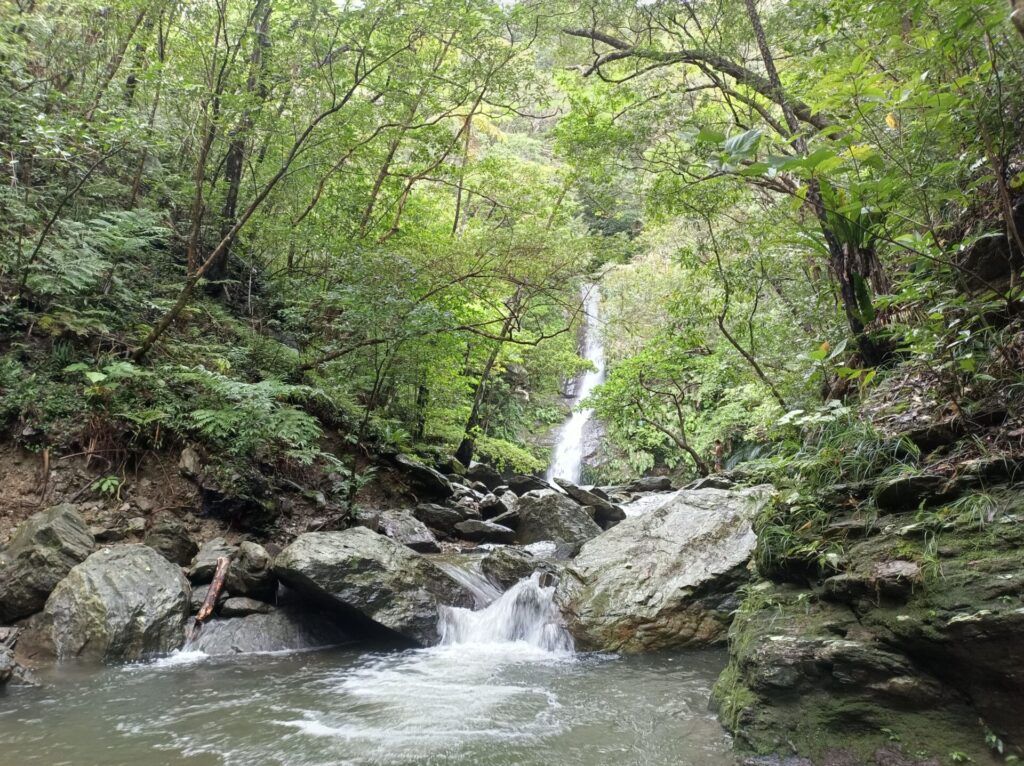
[(168, 536), (370, 576), (404, 528), (665, 579), (41, 552), (251, 573), (121, 604), (550, 515), (606, 514), (423, 480), (492, 505), (279, 630)]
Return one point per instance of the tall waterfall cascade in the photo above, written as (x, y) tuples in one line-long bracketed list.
[(569, 451)]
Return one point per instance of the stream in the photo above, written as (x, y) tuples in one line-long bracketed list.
[(503, 688)]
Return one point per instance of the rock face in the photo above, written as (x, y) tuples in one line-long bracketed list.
[(121, 604), (170, 538), (287, 629), (404, 528), (369, 575), (665, 579), (916, 639), (427, 483), (550, 515), (42, 551)]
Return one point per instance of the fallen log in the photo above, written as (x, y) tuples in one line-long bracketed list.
[(210, 602)]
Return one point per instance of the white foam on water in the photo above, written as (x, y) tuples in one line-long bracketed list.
[(176, 658)]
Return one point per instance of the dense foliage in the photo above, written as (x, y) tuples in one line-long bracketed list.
[(284, 229)]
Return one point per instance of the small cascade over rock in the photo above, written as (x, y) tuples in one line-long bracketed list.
[(569, 451), (470, 576), (526, 613)]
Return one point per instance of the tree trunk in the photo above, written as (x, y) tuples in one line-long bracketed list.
[(234, 164)]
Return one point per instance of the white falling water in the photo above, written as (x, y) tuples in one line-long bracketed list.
[(567, 457), (525, 613)]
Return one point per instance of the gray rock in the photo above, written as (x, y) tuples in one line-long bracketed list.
[(606, 514), (711, 482), (523, 483), (484, 474), (550, 515), (137, 525), (404, 528), (427, 483), (240, 606), (439, 517), (198, 597), (479, 531), (121, 604), (251, 573), (491, 505), (651, 484), (41, 552), (369, 575), (169, 537), (200, 571), (280, 630), (362, 517), (507, 566), (657, 581)]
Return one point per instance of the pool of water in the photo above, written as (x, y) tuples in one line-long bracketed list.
[(478, 704)]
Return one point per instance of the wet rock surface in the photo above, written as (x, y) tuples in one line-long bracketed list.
[(917, 636), (121, 604)]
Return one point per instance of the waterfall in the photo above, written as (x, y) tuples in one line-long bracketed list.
[(526, 613), (567, 457)]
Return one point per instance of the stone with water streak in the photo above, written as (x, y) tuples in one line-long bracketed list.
[(550, 515), (663, 580), (370, 576), (121, 604), (42, 551)]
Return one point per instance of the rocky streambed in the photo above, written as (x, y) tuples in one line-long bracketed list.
[(881, 661)]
